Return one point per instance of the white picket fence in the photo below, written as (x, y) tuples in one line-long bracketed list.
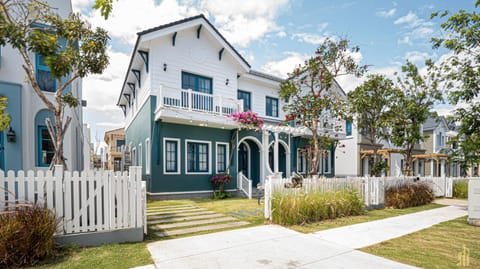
[(370, 189), (90, 201)]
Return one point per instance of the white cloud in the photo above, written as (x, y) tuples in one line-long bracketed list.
[(405, 40), (284, 66), (417, 56), (242, 22), (386, 13), (281, 34), (79, 5), (417, 28), (311, 38), (102, 91)]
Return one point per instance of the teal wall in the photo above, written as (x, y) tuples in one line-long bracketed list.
[(299, 142), (141, 129), (12, 152), (183, 182)]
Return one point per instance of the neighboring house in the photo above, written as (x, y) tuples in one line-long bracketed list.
[(437, 149), (355, 158), (33, 147), (115, 140), (183, 81)]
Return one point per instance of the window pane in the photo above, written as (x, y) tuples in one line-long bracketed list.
[(45, 147), (171, 156), (221, 158), (45, 81), (272, 107), (245, 96)]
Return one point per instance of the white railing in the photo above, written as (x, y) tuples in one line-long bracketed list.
[(370, 189), (198, 101), (245, 185), (90, 201)]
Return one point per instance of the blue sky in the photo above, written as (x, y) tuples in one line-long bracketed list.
[(273, 35)]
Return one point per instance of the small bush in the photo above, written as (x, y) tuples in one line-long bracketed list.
[(26, 235), (408, 194), (460, 189), (289, 208)]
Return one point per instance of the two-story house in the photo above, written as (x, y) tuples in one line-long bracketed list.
[(115, 140), (183, 82), (355, 157), (437, 148), (27, 144)]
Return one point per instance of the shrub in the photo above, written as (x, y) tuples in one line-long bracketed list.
[(298, 207), (408, 194), (26, 235), (460, 189), (219, 181)]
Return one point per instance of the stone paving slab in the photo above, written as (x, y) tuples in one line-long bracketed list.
[(268, 246), (180, 219), (177, 215), (170, 206), (371, 233), (174, 211), (191, 223), (161, 209), (202, 228)]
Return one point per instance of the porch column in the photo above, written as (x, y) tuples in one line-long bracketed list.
[(431, 167), (458, 170), (275, 153), (288, 159), (264, 157), (442, 168)]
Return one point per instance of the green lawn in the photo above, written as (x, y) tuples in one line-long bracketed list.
[(136, 254), (451, 244), (368, 216), (107, 256)]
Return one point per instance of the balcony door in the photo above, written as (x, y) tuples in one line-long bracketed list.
[(203, 85)]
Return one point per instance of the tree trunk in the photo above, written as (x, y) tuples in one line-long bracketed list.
[(316, 153)]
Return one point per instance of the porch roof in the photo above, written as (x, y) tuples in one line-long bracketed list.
[(302, 131)]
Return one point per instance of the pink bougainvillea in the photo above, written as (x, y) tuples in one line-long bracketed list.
[(248, 119)]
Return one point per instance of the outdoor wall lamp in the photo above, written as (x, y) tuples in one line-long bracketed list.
[(11, 137), (165, 67), (227, 81)]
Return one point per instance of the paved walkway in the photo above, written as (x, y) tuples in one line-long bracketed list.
[(272, 246), (373, 232)]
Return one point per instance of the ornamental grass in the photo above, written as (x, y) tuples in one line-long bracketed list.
[(296, 208), (409, 194)]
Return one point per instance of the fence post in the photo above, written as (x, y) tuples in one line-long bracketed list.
[(266, 199)]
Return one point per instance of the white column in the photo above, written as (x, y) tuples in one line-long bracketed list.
[(288, 158), (275, 153), (442, 168), (432, 165), (264, 157)]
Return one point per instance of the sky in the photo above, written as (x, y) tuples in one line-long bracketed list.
[(273, 35)]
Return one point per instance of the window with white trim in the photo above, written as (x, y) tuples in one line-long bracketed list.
[(140, 154), (147, 156), (198, 156), (171, 158), (134, 156), (222, 156)]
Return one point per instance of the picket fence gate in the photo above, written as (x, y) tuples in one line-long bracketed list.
[(90, 201)]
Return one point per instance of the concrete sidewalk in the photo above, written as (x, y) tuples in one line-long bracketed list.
[(272, 246), (373, 232)]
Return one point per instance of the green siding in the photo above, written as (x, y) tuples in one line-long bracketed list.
[(183, 182), (141, 129)]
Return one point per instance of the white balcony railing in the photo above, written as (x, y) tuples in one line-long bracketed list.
[(199, 102)]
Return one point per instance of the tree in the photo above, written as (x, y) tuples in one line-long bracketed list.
[(105, 7), (309, 92), (4, 116), (69, 48), (418, 93), (461, 75), (370, 104)]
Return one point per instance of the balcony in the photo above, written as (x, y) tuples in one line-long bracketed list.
[(198, 102), (178, 105)]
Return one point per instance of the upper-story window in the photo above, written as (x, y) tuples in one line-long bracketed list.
[(120, 143), (348, 128), (196, 83), (271, 107), (44, 75), (246, 97)]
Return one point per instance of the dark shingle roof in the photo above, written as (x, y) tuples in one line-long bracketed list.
[(431, 123)]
